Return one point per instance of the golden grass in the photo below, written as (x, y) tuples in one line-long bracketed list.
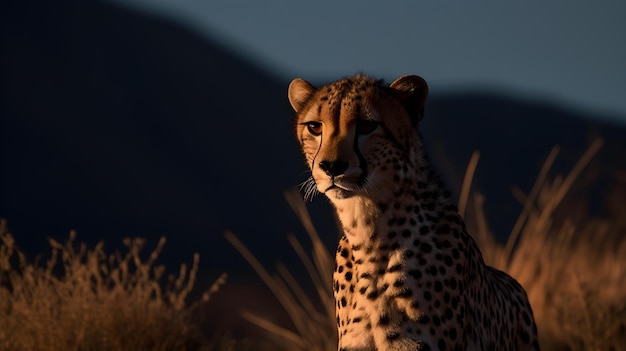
[(84, 299), (574, 272)]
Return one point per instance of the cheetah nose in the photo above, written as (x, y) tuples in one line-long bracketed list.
[(333, 168)]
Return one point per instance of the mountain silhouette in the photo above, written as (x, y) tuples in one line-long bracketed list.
[(117, 123)]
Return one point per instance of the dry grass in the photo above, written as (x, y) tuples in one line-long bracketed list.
[(314, 319), (84, 299), (574, 271)]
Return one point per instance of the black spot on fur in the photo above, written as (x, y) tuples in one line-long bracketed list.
[(393, 336), (442, 345), (384, 320), (405, 293), (395, 268), (373, 295)]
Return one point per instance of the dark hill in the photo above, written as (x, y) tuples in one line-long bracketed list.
[(116, 123)]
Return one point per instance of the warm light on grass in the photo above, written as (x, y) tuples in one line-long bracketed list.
[(84, 299), (574, 273)]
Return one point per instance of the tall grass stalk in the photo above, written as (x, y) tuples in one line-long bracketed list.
[(314, 322)]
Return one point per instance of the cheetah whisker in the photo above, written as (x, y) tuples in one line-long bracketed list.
[(309, 188)]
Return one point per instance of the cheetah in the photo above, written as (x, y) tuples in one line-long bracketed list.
[(408, 276)]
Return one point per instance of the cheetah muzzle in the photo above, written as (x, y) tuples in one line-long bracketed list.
[(408, 276)]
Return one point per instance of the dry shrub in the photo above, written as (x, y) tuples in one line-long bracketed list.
[(84, 299), (573, 271)]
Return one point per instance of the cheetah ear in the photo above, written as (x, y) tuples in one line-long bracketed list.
[(412, 92), (299, 93)]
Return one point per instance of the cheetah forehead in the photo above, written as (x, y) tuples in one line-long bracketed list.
[(359, 87), (360, 97), (348, 99)]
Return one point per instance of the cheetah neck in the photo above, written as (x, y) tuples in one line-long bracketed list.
[(385, 220)]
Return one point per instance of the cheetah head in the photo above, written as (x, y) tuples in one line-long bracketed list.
[(357, 134)]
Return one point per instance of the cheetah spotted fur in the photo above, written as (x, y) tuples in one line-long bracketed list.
[(408, 276)]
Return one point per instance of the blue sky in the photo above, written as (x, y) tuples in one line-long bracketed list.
[(572, 53)]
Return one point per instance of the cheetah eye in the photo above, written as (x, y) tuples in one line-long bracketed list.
[(364, 127), (314, 128)]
